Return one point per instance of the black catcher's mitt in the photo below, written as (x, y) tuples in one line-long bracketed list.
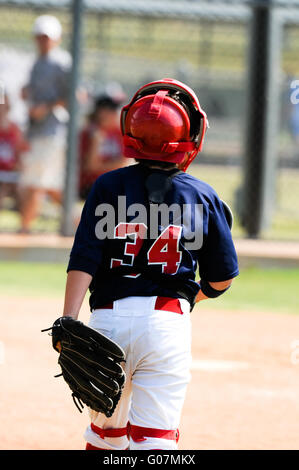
[(90, 364)]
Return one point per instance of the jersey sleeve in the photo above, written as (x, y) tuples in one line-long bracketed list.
[(217, 258), (87, 251)]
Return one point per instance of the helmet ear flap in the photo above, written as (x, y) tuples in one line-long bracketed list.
[(195, 124), (194, 114), (123, 115)]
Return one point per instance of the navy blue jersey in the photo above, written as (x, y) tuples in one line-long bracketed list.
[(133, 247)]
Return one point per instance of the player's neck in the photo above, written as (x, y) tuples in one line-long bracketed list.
[(158, 167)]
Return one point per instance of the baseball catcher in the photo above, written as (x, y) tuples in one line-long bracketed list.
[(145, 231)]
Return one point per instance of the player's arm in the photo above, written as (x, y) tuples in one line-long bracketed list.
[(86, 254), (76, 287), (217, 258), (217, 286)]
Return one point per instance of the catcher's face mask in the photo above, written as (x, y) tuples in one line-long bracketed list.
[(164, 121)]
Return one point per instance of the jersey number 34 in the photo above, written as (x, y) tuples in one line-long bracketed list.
[(164, 251)]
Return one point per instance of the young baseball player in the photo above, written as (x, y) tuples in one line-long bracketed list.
[(100, 143), (144, 231), (12, 144)]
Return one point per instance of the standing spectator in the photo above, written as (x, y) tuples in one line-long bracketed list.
[(100, 143), (46, 94), (294, 127), (11, 145)]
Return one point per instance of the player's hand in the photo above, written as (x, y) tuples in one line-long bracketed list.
[(39, 112)]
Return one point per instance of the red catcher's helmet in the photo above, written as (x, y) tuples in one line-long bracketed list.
[(164, 121)]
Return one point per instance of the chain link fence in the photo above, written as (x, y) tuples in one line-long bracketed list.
[(203, 44)]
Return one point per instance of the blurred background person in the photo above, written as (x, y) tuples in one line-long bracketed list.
[(100, 143), (46, 95), (12, 143), (294, 128)]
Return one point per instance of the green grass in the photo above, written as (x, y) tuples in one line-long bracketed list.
[(32, 279), (273, 290)]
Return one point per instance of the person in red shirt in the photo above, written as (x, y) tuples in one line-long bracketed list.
[(100, 143), (12, 144)]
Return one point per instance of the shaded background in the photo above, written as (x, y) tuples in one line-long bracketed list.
[(205, 44)]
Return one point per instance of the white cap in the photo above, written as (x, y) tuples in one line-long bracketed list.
[(47, 25)]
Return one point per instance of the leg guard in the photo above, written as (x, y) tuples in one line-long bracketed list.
[(149, 438), (91, 447), (117, 438)]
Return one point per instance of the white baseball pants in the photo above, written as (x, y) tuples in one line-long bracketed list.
[(157, 343)]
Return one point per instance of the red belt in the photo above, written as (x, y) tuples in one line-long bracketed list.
[(162, 303)]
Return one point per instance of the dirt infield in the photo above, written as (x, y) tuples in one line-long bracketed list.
[(243, 393)]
